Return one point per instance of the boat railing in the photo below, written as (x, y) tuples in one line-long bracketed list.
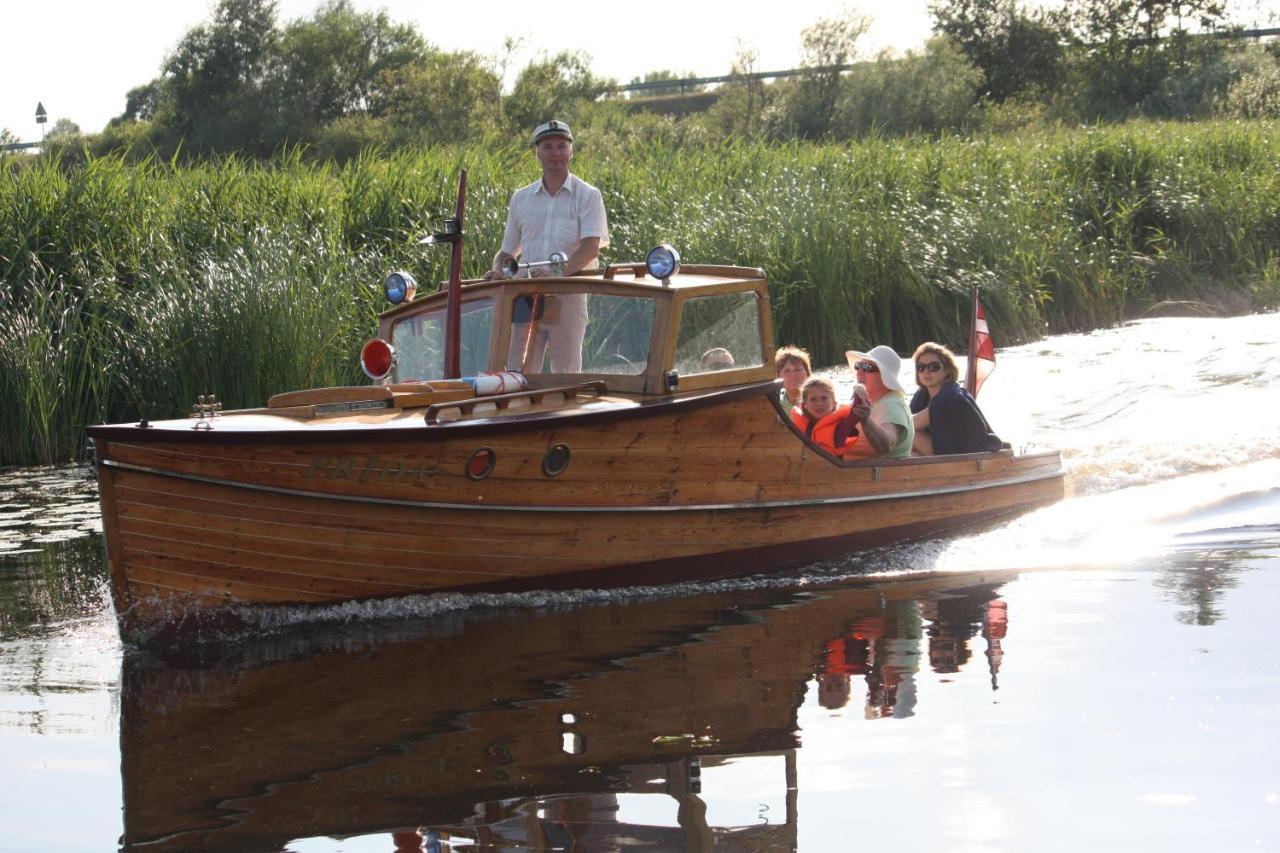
[(559, 395)]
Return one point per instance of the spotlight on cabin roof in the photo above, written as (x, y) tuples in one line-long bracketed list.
[(663, 262), (399, 287)]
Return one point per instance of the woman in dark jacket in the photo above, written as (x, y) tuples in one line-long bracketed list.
[(947, 418)]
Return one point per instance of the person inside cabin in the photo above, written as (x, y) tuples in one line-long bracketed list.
[(791, 365), (887, 428), (831, 427), (717, 358), (946, 417), (559, 212)]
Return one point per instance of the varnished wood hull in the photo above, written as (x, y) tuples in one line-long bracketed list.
[(712, 485)]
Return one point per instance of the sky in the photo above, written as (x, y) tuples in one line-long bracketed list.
[(80, 57)]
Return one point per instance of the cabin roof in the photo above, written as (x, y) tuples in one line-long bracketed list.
[(690, 277)]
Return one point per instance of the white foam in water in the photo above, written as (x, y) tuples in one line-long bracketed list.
[(274, 618), (1128, 524)]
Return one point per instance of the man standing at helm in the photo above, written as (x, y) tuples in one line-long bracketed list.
[(559, 212)]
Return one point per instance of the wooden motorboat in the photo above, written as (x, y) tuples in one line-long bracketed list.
[(468, 464), (512, 720)]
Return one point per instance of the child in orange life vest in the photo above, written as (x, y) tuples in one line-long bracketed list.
[(833, 428)]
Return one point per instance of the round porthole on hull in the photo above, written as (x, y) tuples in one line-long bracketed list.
[(481, 463), (556, 460)]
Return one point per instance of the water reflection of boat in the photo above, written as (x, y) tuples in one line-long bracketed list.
[(494, 726), (645, 465)]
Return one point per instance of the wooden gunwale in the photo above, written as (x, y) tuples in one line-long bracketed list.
[(741, 505), (378, 433)]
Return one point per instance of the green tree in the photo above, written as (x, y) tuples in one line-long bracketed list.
[(932, 91), (213, 84), (827, 46), (1127, 49), (1255, 91), (552, 87), (1019, 53), (442, 97), (740, 109), (329, 65), (140, 103), (63, 129)]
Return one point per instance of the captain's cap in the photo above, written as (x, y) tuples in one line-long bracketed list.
[(552, 128)]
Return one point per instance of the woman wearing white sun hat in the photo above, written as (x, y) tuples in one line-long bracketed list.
[(887, 428)]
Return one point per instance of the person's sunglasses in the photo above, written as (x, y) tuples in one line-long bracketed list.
[(928, 366), (867, 367)]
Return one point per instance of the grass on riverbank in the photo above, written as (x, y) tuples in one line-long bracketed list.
[(128, 290)]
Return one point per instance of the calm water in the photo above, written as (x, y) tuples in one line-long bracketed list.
[(1101, 674)]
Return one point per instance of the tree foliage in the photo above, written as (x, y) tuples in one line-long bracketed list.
[(828, 45), (342, 80), (930, 91), (442, 97), (554, 86), (1126, 50), (330, 64), (213, 83), (1019, 53), (740, 109)]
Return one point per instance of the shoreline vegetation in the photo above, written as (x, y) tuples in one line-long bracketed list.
[(130, 288)]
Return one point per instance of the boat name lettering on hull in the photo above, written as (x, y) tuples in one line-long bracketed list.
[(368, 469)]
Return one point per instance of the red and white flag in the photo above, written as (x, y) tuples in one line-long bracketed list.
[(982, 350)]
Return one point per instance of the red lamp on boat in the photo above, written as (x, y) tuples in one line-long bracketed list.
[(377, 357)]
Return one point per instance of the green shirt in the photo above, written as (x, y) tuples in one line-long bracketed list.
[(892, 409)]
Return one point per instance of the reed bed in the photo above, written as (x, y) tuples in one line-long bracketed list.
[(128, 289)]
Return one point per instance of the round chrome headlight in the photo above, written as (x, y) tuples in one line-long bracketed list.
[(662, 261), (399, 287)]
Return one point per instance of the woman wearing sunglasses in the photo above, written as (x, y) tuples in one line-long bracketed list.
[(886, 423), (947, 418)]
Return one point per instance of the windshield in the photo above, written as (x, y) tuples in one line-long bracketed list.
[(419, 342), (719, 332), (581, 333)]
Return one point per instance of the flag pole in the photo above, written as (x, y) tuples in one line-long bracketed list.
[(453, 300), (971, 369)]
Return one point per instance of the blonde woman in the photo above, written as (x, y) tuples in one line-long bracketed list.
[(791, 365)]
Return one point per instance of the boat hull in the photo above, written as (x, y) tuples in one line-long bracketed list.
[(711, 485)]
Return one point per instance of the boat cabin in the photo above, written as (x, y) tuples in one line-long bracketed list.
[(699, 327)]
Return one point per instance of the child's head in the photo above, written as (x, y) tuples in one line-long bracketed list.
[(818, 397)]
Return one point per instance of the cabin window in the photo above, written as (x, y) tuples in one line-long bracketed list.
[(581, 333), (419, 342), (719, 332)]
